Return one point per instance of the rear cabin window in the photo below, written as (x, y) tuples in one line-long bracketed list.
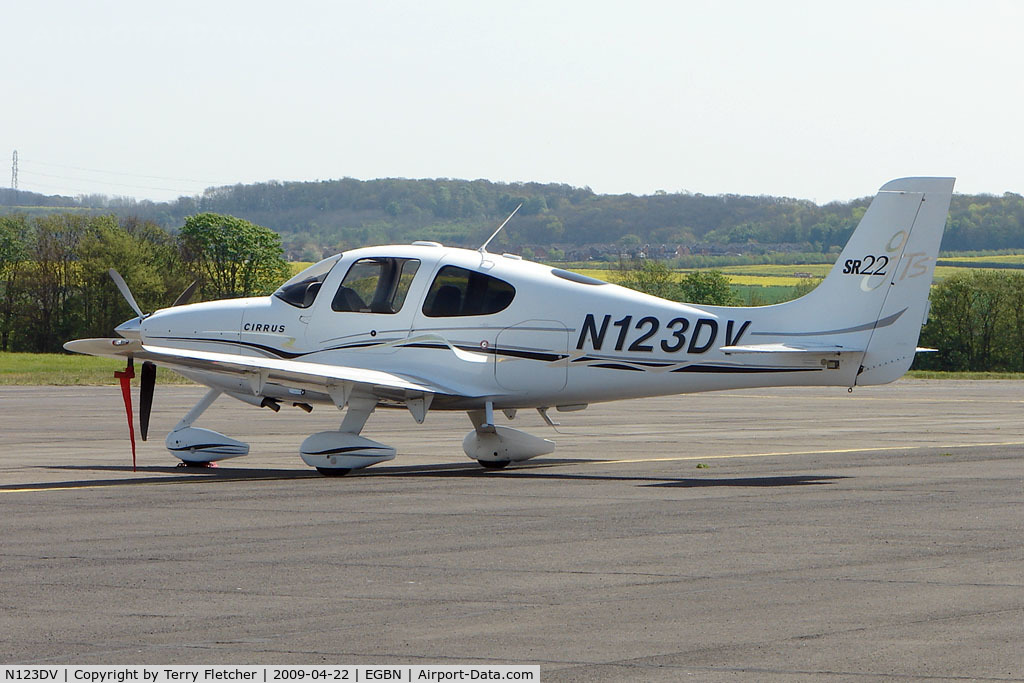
[(461, 292), (375, 285)]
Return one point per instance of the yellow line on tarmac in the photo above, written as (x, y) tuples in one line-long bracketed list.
[(57, 488), (814, 452)]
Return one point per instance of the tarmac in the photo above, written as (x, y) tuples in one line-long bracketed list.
[(765, 534)]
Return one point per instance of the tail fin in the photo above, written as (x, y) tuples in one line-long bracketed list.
[(891, 346), (876, 295)]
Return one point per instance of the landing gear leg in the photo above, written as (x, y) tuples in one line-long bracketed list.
[(485, 431)]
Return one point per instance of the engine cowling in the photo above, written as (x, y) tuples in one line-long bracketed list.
[(505, 444), (343, 451), (198, 445)]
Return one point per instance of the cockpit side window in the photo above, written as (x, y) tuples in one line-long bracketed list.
[(461, 292), (375, 285), (301, 290)]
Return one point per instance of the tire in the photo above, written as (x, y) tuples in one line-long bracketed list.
[(494, 464), (333, 471)]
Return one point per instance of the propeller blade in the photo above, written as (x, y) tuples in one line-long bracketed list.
[(147, 381), (125, 292), (184, 297)]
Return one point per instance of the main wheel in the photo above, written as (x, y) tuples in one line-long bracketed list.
[(494, 464), (333, 471), (196, 465)]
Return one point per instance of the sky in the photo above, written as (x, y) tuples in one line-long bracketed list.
[(815, 100)]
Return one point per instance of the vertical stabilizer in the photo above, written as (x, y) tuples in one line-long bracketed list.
[(874, 299)]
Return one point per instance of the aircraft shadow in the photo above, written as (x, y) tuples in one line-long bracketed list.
[(669, 482), (541, 469), (546, 469), (164, 474), (770, 482)]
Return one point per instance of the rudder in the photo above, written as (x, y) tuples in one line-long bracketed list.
[(891, 347)]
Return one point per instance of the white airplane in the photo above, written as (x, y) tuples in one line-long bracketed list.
[(428, 327)]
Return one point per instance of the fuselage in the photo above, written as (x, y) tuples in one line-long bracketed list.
[(531, 335)]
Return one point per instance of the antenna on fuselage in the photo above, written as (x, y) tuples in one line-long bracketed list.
[(483, 247)]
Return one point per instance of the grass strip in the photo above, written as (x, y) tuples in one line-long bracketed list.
[(60, 369)]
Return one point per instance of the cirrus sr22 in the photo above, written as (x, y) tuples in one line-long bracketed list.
[(427, 327)]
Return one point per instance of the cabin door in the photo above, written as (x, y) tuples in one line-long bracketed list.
[(532, 356)]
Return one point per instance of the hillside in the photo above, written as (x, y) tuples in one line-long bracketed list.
[(314, 218)]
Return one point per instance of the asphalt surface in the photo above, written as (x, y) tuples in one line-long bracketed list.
[(783, 534)]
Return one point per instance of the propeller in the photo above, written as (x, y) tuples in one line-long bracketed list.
[(147, 382), (184, 297), (147, 377), (122, 286)]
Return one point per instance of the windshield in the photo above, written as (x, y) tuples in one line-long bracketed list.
[(301, 290)]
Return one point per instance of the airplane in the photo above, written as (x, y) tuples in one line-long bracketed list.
[(427, 327)]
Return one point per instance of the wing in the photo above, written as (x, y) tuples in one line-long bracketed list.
[(336, 380)]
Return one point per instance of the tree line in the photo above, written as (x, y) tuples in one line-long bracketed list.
[(976, 322), (317, 218), (54, 284)]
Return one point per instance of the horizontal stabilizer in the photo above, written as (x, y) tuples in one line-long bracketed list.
[(791, 348)]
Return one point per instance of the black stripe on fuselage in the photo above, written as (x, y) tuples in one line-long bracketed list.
[(270, 350), (615, 366)]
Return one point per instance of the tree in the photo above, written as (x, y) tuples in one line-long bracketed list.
[(14, 232), (232, 256), (630, 241), (147, 272), (650, 277), (1015, 313), (707, 287), (805, 286), (972, 322), (51, 298)]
